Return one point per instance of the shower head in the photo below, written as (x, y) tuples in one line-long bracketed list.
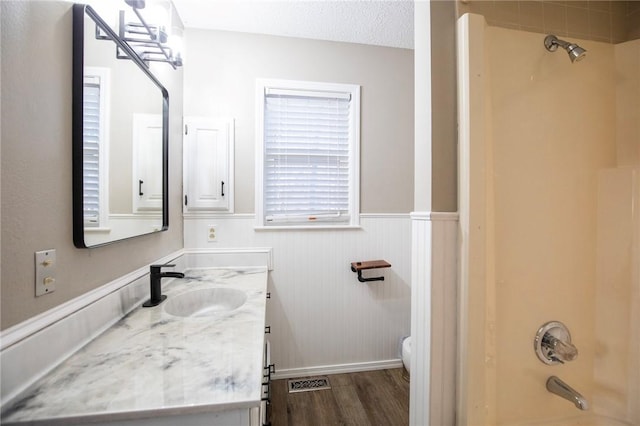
[(576, 53)]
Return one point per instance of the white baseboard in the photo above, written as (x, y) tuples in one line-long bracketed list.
[(336, 369)]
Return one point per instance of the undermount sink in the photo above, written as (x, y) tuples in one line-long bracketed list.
[(205, 302)]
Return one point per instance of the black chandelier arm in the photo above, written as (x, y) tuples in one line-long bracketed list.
[(146, 50)]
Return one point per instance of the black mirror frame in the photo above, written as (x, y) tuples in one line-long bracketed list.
[(79, 11)]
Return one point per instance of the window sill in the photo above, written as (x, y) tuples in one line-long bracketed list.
[(261, 228)]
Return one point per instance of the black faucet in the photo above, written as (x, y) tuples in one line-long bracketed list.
[(156, 276)]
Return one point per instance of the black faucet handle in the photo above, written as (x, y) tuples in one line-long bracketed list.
[(166, 265), (158, 268)]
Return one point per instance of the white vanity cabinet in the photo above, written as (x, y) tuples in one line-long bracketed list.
[(208, 164)]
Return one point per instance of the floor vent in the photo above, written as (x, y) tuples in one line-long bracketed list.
[(309, 384)]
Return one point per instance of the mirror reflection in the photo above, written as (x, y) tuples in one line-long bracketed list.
[(119, 139)]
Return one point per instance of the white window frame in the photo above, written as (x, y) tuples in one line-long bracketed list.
[(103, 75), (351, 90)]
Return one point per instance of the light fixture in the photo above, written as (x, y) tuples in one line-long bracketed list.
[(150, 39)]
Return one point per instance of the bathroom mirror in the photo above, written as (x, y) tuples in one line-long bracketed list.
[(120, 138)]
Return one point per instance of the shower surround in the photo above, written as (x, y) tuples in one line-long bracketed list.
[(541, 224)]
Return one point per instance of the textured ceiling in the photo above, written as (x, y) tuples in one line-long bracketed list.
[(382, 23)]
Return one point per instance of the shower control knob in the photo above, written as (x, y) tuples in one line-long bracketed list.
[(552, 344), (557, 349)]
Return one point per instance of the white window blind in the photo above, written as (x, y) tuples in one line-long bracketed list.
[(309, 156), (91, 151)]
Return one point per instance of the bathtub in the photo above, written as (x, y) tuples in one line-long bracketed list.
[(586, 420)]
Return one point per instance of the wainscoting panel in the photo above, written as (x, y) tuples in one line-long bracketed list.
[(433, 318), (320, 315), (419, 390)]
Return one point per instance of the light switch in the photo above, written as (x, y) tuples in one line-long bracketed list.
[(45, 272)]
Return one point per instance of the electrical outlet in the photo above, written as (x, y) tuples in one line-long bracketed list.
[(211, 233), (45, 272)]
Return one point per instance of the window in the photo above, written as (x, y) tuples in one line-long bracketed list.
[(95, 141), (308, 137)]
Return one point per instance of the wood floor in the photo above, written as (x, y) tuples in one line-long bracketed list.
[(369, 398)]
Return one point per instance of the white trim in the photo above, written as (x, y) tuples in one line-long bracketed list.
[(307, 93), (267, 251), (476, 391), (263, 84), (20, 331), (231, 166), (420, 215), (435, 216), (337, 369), (259, 148)]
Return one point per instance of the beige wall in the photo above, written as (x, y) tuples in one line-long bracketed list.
[(220, 73), (444, 131), (422, 108), (36, 166)]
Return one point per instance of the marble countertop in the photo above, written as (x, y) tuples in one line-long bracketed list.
[(152, 364)]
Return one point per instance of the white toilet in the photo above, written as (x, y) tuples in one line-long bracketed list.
[(406, 353)]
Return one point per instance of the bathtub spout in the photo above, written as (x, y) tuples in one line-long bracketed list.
[(560, 388)]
